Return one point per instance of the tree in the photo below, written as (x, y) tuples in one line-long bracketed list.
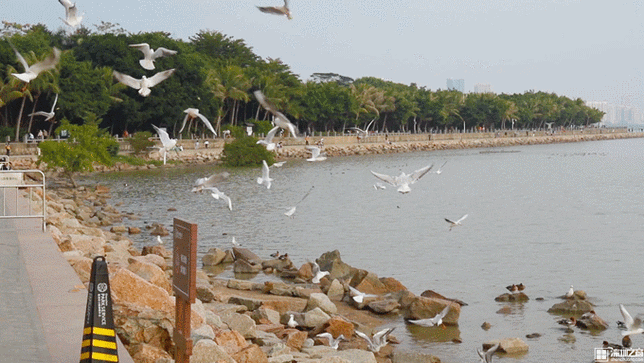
[(86, 145)]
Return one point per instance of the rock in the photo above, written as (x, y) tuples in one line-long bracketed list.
[(157, 250), (413, 357), (230, 340), (504, 310), (134, 230), (245, 267), (305, 272), (295, 338), (431, 293), (207, 351), (159, 230), (146, 353), (427, 307), (251, 354), (315, 318), (246, 255), (592, 321), (205, 292), (571, 307), (154, 259), (486, 326), (90, 246), (385, 306), (335, 290), (213, 257), (368, 283), (82, 266), (338, 325), (265, 315), (331, 261), (508, 345), (119, 229), (150, 272), (250, 304), (512, 297), (203, 332), (393, 285), (319, 300), (533, 335), (278, 264), (240, 284), (349, 355), (242, 323)]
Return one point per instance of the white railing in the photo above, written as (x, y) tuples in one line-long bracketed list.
[(12, 183)]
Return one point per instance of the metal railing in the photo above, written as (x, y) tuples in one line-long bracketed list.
[(13, 183)]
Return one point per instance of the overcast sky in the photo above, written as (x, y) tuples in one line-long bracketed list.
[(579, 48)]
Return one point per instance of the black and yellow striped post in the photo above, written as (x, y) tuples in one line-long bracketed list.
[(99, 338)]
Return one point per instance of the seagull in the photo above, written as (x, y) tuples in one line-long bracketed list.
[(217, 194), (378, 340), (150, 55), (357, 295), (379, 186), (279, 165), (430, 322), (403, 180), (168, 143), (291, 211), (279, 118), (440, 170), (234, 242), (277, 10), (48, 115), (569, 323), (333, 343), (159, 240), (35, 69), (364, 132), (144, 84), (512, 288), (275, 255), (315, 154), (486, 356), (192, 113), (205, 183), (570, 293), (265, 179), (457, 223), (268, 140), (317, 273), (291, 322), (71, 14), (633, 326)]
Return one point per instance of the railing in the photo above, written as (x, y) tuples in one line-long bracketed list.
[(12, 183)]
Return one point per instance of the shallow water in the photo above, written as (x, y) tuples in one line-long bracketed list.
[(545, 215)]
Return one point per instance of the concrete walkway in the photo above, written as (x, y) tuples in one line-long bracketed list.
[(42, 300)]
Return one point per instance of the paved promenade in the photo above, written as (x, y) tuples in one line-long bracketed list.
[(42, 300)]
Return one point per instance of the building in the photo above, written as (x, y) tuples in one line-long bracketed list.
[(456, 85), (482, 88), (617, 115)]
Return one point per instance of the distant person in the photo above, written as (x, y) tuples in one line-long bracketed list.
[(40, 135), (8, 149), (125, 134), (206, 143)]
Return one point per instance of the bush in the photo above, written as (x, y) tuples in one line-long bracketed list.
[(236, 132), (245, 151), (140, 141), (262, 127)]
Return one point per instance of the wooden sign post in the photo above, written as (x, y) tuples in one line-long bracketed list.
[(184, 279)]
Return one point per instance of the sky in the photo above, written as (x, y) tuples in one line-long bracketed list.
[(589, 49)]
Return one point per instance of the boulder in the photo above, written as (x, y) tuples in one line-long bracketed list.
[(331, 261), (592, 321), (157, 250), (431, 293), (202, 332), (150, 272), (427, 307), (154, 259), (368, 283), (508, 345), (119, 229), (571, 307), (384, 306), (278, 264), (205, 292), (335, 290), (246, 255), (338, 325), (413, 357), (315, 318), (265, 315), (236, 284), (245, 267), (159, 230), (134, 230), (250, 304), (342, 356), (207, 351), (91, 246), (251, 354), (230, 340), (295, 338), (242, 323), (392, 285), (320, 300), (213, 257), (146, 353), (512, 297)]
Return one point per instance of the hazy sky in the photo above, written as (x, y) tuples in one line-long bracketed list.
[(579, 48)]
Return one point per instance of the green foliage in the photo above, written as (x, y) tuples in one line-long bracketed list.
[(236, 132), (245, 151), (86, 145), (261, 127), (140, 141)]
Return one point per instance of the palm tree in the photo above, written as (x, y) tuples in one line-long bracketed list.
[(47, 82), (228, 82)]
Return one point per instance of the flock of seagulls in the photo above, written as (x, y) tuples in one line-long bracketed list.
[(403, 180)]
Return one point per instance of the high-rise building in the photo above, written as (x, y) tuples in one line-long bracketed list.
[(482, 88), (456, 84), (617, 114)]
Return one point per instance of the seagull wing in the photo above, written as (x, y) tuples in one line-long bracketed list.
[(270, 10), (367, 128), (127, 80), (265, 170), (271, 134), (490, 352), (207, 123), (461, 219), (450, 221), (444, 312), (40, 113), (385, 178), (227, 199), (20, 58), (264, 102), (54, 105), (381, 336), (364, 336), (66, 3), (185, 119), (420, 173), (163, 52), (163, 136), (628, 319), (143, 47), (315, 151), (160, 77)]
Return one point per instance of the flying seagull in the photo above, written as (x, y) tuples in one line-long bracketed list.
[(166, 141), (357, 295), (268, 140), (430, 322), (150, 55), (205, 183), (333, 343), (317, 273), (486, 356), (361, 132), (265, 179), (31, 72), (378, 340), (440, 170), (217, 194), (633, 326), (144, 84), (192, 113), (277, 10), (279, 118), (48, 115), (455, 223), (316, 155), (279, 165), (403, 180), (71, 14), (291, 211)]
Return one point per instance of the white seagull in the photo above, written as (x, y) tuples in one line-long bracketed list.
[(430, 322), (379, 186), (35, 69), (315, 154), (291, 211), (168, 143), (455, 223), (150, 55), (48, 115), (570, 292), (279, 165), (265, 179), (403, 180), (144, 84), (277, 10), (205, 183), (192, 113), (268, 140), (333, 343), (234, 242), (486, 356), (159, 240), (317, 273), (217, 194), (71, 14), (364, 132), (291, 322), (279, 118), (357, 295), (378, 340), (440, 170), (633, 326)]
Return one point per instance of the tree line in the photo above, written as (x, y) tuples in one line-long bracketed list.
[(217, 74)]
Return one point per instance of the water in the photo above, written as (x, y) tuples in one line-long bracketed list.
[(547, 216)]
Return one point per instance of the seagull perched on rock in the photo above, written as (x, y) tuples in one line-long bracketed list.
[(159, 240), (277, 10), (633, 326), (333, 343), (144, 84), (403, 180), (431, 322), (317, 273), (205, 183), (48, 115), (268, 140), (192, 113), (357, 295), (486, 356), (71, 14), (166, 141), (291, 322), (265, 179), (31, 72), (455, 223), (568, 323), (378, 340), (570, 293), (150, 55), (316, 155), (279, 118)]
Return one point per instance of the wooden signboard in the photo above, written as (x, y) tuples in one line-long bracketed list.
[(184, 279)]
